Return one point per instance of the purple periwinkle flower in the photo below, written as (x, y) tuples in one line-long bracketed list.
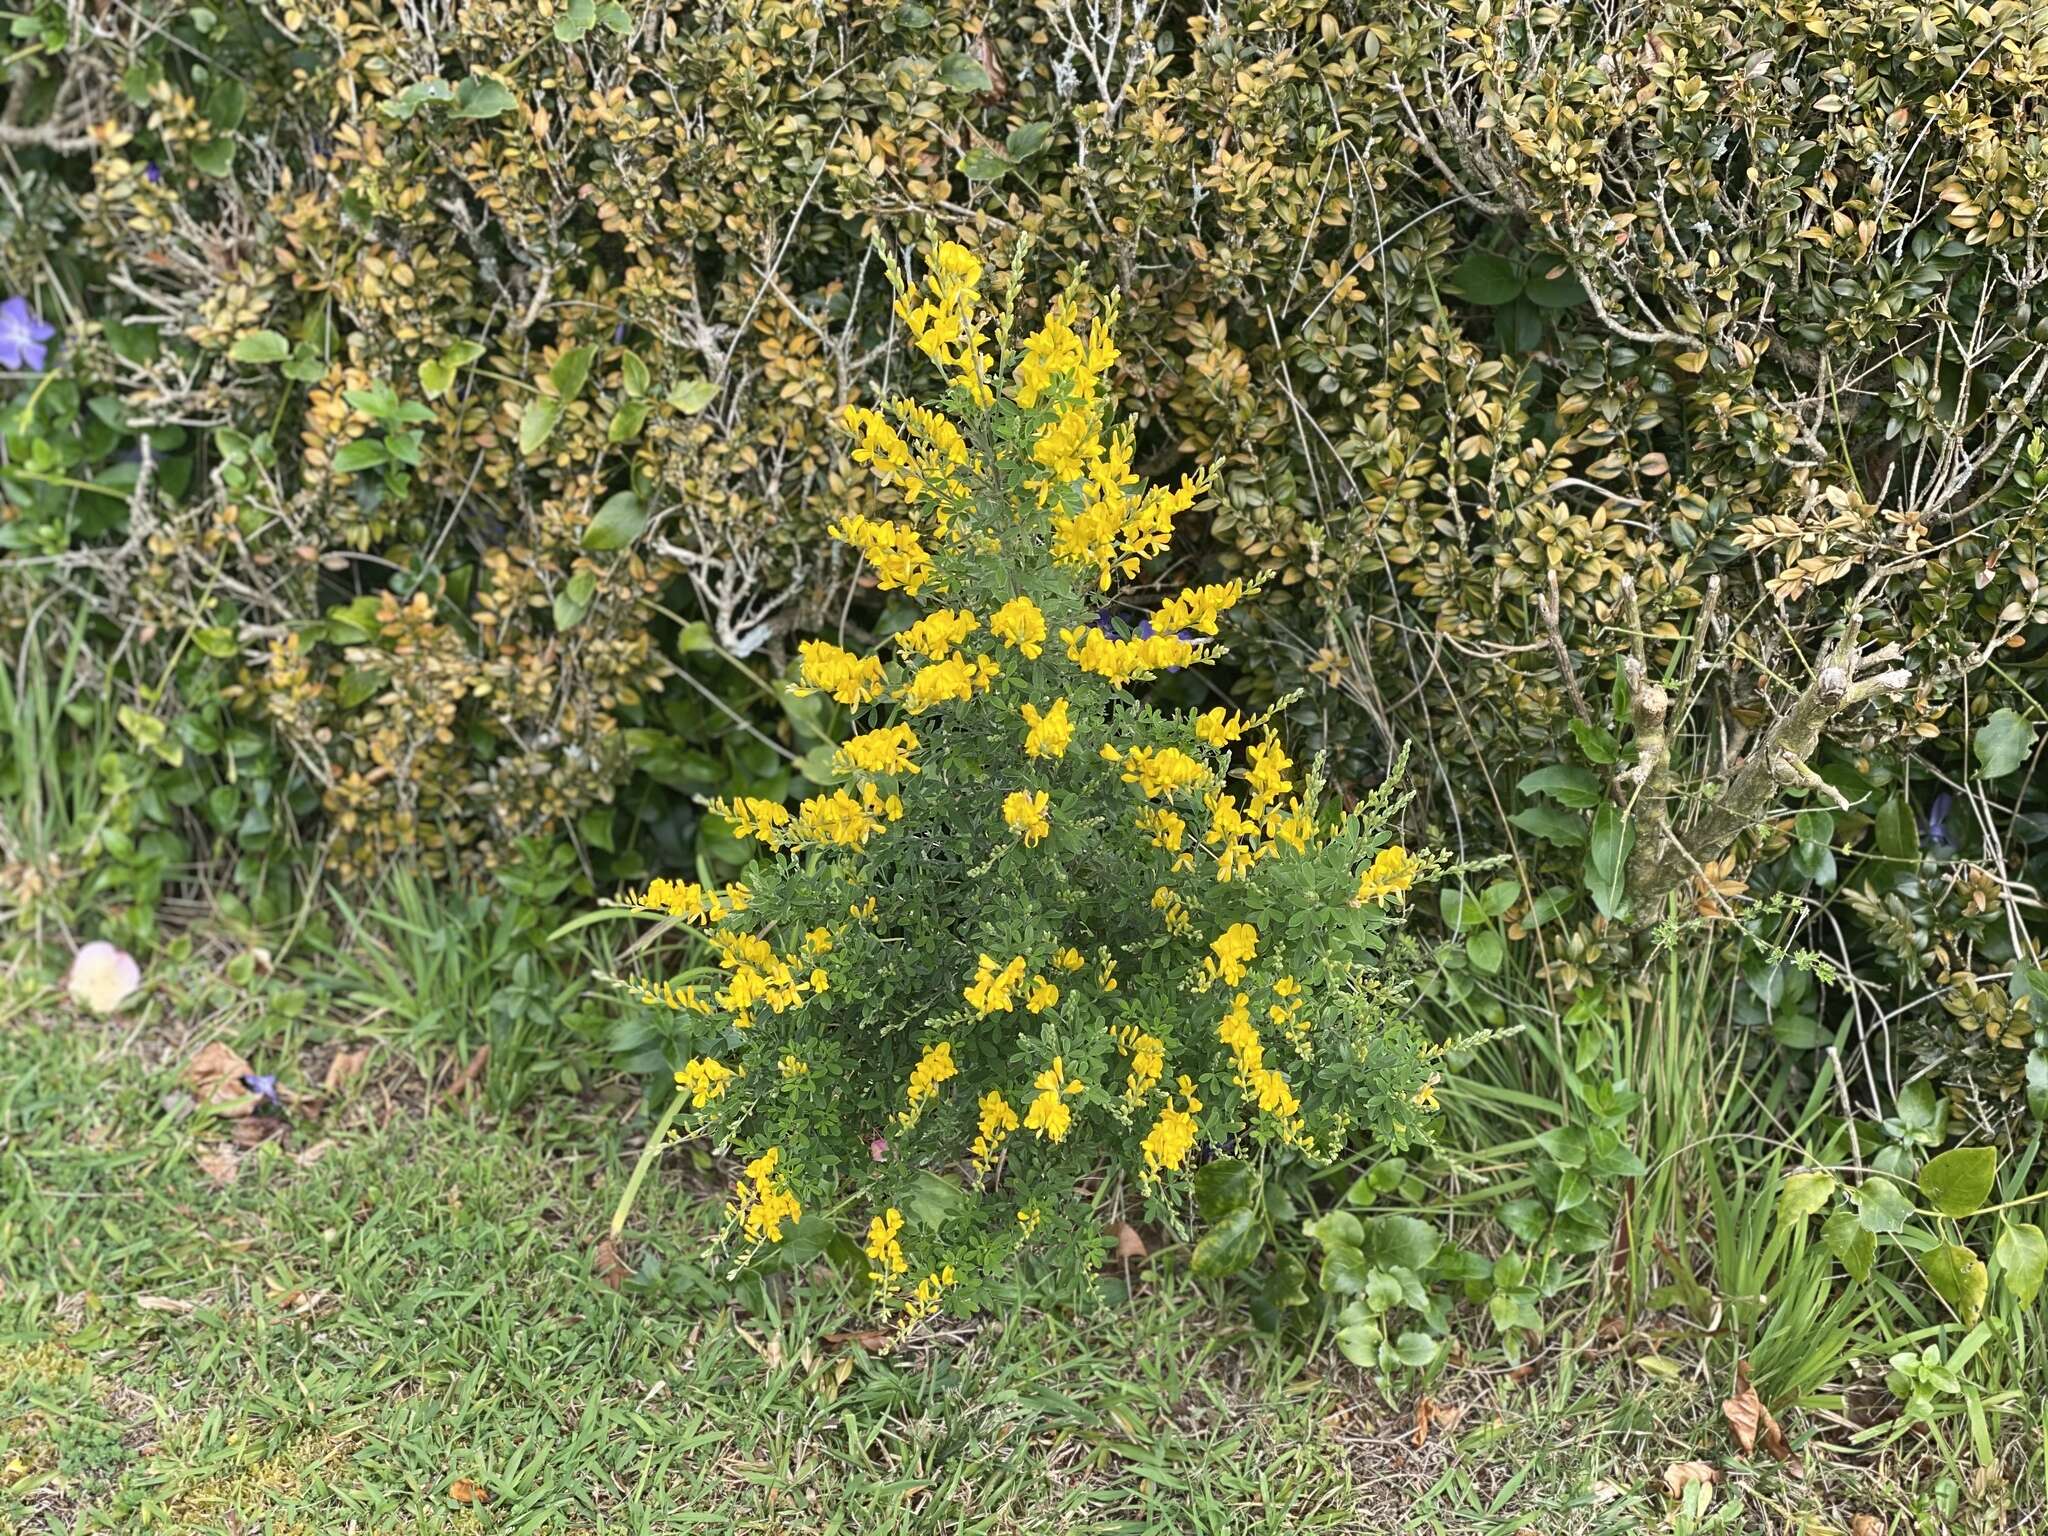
[(264, 1086), (23, 336), (1937, 819), (153, 172)]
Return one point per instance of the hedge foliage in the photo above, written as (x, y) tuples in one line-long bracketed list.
[(480, 341)]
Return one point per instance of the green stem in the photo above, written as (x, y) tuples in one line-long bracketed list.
[(648, 1154)]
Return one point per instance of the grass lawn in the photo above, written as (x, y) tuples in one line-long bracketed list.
[(392, 1317)]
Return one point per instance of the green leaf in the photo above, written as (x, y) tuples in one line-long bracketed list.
[(1500, 895), (1485, 278), (2022, 1255), (1898, 833), (633, 374), (1026, 140), (1844, 1235), (1345, 1272), (537, 422), (364, 453), (408, 101), (1335, 1227), (1606, 869), (1958, 1181), (618, 523), (980, 164), (1959, 1278), (1556, 288), (627, 421), (1551, 824), (692, 395), (1225, 1185), (215, 158), (578, 19), (1487, 951), (573, 601), (1803, 1195), (481, 97), (933, 1198), (1461, 910), (1881, 1206), (1599, 746), (615, 18), (260, 347), (2002, 743), (1567, 784), (1360, 1344), (1546, 907), (1416, 1349), (1230, 1245), (215, 640), (571, 371), (963, 72), (1407, 1241), (435, 378)]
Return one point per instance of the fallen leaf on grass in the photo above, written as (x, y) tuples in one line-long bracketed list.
[(466, 1078), (1865, 1525), (1752, 1422), (1431, 1414), (876, 1341), (610, 1268), (1129, 1245), (216, 1074), (463, 1491), (171, 1304), (1681, 1475), (311, 1155), (220, 1165), (345, 1066), (254, 1130)]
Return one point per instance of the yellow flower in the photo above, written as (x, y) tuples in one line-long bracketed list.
[(763, 1204), (704, 1079), (886, 750), (1148, 1059), (929, 1290), (689, 901), (938, 633), (1393, 871), (1217, 729), (1172, 1137), (992, 990), (1235, 949), (893, 549), (754, 818), (1425, 1096), (850, 680), (1020, 625), (1025, 813), (934, 1068), (1050, 732), (794, 1066), (1068, 959), (997, 1121), (1162, 771), (1029, 1218), (1049, 1115), (1043, 995), (1121, 661), (953, 679), (1197, 608), (884, 1248)]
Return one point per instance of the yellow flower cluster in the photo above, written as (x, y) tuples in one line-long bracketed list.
[(994, 990), (884, 1249), (1121, 661), (759, 975), (884, 750), (689, 901), (929, 1292), (1391, 873), (893, 549), (1024, 813), (1050, 1116), (762, 1202), (938, 633), (1173, 911), (841, 820), (878, 445), (1197, 608), (932, 1069), (1217, 728), (1148, 1060), (1270, 818), (954, 680), (945, 319), (1232, 954), (998, 1119), (1021, 626), (827, 668), (1169, 831), (704, 1079), (1056, 352), (1172, 1137), (1248, 1053), (1159, 771), (1048, 733)]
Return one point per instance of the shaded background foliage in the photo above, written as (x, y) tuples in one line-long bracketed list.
[(444, 428)]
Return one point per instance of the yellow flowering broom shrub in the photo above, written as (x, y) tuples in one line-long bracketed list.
[(1039, 929)]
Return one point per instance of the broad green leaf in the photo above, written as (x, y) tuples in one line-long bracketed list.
[(1564, 828), (1487, 951), (1335, 1227), (216, 157), (578, 19), (1460, 909), (1959, 1278), (1898, 833), (1225, 1185), (1567, 784), (981, 164), (1230, 1245), (692, 395), (573, 601), (1026, 140), (1557, 287), (1360, 1344), (1606, 869), (633, 375), (1546, 907), (963, 72), (1345, 1272), (571, 371), (620, 521), (1958, 1181), (260, 347), (1846, 1238), (537, 422), (1415, 1349), (627, 421), (1407, 1241), (1599, 746), (2002, 743), (1881, 1206), (2022, 1255), (1803, 1195), (1485, 278), (479, 96), (1499, 896), (364, 453)]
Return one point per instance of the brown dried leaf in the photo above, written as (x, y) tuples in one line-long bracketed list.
[(311, 1155), (1865, 1525), (220, 1164), (607, 1264), (466, 1078), (1681, 1475), (216, 1074), (1129, 1245), (345, 1066), (876, 1341), (254, 1130), (463, 1491), (175, 1305), (1433, 1415), (1751, 1420)]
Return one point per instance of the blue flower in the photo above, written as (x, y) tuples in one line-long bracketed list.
[(22, 336)]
